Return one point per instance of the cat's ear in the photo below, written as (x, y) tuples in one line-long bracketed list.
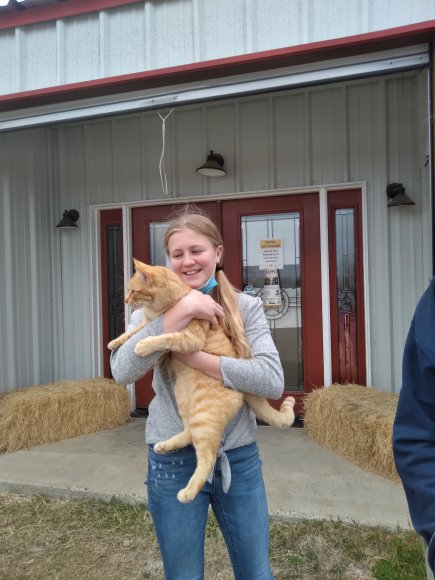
[(142, 269), (140, 266)]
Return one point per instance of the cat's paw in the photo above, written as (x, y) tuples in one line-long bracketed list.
[(184, 496), (143, 348), (160, 447), (114, 344)]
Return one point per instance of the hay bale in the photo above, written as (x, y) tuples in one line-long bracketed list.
[(356, 422), (48, 413)]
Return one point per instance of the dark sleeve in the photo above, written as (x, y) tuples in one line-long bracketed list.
[(414, 425)]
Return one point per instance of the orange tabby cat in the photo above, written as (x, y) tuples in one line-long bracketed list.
[(204, 404)]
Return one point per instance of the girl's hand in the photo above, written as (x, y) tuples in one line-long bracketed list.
[(193, 305), (202, 306)]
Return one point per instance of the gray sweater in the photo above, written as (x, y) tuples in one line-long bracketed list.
[(261, 375)]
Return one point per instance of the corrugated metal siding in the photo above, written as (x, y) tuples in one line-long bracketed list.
[(407, 157), (152, 35), (373, 130), (74, 260), (37, 56), (79, 41), (123, 34), (8, 48), (28, 350), (368, 142)]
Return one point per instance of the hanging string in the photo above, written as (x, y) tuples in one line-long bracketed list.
[(162, 169)]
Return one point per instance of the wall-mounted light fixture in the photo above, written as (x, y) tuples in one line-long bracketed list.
[(397, 196), (213, 167), (70, 216)]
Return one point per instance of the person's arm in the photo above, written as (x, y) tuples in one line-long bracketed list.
[(127, 367), (261, 374), (414, 425), (210, 364)]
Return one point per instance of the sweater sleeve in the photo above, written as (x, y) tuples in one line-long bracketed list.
[(126, 366), (414, 425), (262, 374)]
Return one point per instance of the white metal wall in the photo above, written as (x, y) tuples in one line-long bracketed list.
[(29, 284), (154, 34), (372, 130)]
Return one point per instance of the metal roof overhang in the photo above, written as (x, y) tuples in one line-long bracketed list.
[(363, 55)]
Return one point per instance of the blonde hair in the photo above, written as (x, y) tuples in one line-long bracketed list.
[(191, 218)]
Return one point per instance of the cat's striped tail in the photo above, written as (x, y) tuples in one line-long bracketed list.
[(265, 412)]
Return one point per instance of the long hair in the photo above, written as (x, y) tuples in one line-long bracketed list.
[(191, 218)]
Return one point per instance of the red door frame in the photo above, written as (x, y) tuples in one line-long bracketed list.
[(308, 207), (341, 200), (107, 218)]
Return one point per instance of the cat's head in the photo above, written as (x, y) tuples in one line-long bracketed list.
[(154, 288)]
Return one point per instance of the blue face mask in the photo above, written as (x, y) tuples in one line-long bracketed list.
[(209, 285)]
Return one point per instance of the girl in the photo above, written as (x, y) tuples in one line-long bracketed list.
[(236, 491)]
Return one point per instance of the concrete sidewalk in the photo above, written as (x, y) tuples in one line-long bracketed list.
[(303, 479)]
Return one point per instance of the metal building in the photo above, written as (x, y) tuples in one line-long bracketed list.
[(316, 108)]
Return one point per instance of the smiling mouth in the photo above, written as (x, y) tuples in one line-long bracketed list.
[(191, 272)]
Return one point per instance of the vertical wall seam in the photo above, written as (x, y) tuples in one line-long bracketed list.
[(18, 76), (35, 303), (9, 345), (103, 31), (60, 52), (196, 19)]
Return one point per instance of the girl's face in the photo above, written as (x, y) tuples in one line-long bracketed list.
[(193, 257)]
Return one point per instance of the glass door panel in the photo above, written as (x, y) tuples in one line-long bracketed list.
[(277, 283), (112, 280), (115, 280), (346, 295), (157, 244)]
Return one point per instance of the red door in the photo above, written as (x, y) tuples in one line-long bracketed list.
[(346, 277), (290, 288), (275, 254)]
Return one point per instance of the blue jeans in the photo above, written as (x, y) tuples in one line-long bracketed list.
[(242, 514)]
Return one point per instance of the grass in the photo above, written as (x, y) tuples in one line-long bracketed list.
[(44, 539)]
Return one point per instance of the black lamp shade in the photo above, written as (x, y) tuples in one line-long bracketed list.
[(213, 167), (397, 196), (69, 219)]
